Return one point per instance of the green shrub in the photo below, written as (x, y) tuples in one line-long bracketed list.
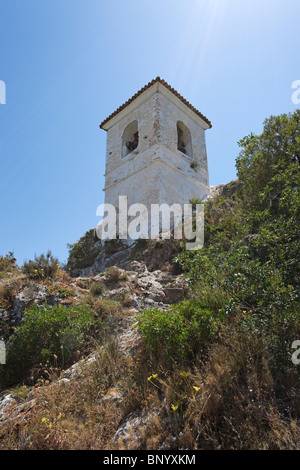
[(97, 289), (180, 331), (8, 266), (194, 201), (66, 293), (251, 254), (209, 295), (113, 246), (63, 292), (47, 331), (83, 283), (83, 253), (43, 266)]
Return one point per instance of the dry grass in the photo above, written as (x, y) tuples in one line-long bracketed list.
[(127, 301), (106, 308), (62, 276), (73, 415), (114, 275), (97, 288), (83, 283), (232, 399), (10, 288)]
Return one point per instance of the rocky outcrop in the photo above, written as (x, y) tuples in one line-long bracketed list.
[(143, 289), (226, 190), (32, 293), (148, 278), (90, 256), (146, 288)]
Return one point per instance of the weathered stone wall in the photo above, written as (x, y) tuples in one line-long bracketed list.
[(147, 116), (170, 113), (156, 171)]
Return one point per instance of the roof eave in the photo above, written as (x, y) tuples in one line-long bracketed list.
[(104, 123)]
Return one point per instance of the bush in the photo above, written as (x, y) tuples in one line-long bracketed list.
[(83, 253), (114, 274), (83, 283), (107, 307), (209, 295), (264, 159), (8, 266), (42, 267), (180, 331), (9, 289), (97, 289), (64, 292), (251, 249), (113, 246), (53, 334)]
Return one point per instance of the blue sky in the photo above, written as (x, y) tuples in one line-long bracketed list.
[(67, 64)]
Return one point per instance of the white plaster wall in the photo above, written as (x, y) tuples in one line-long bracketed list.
[(156, 172), (158, 183), (170, 113), (147, 117)]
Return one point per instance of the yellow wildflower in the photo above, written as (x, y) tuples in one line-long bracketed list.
[(154, 376)]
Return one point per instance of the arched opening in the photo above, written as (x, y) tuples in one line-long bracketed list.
[(184, 139), (130, 139)]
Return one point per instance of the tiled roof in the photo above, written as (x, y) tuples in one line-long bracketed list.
[(163, 82)]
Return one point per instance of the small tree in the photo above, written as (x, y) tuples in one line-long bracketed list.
[(43, 266), (269, 163)]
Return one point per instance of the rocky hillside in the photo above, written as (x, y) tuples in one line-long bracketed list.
[(142, 276), (134, 289), (153, 347)]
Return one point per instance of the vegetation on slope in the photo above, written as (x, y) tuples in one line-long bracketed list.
[(214, 371), (250, 257)]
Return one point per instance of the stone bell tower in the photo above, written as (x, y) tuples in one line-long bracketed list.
[(156, 150)]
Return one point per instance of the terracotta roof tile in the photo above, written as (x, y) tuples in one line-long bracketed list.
[(163, 82)]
